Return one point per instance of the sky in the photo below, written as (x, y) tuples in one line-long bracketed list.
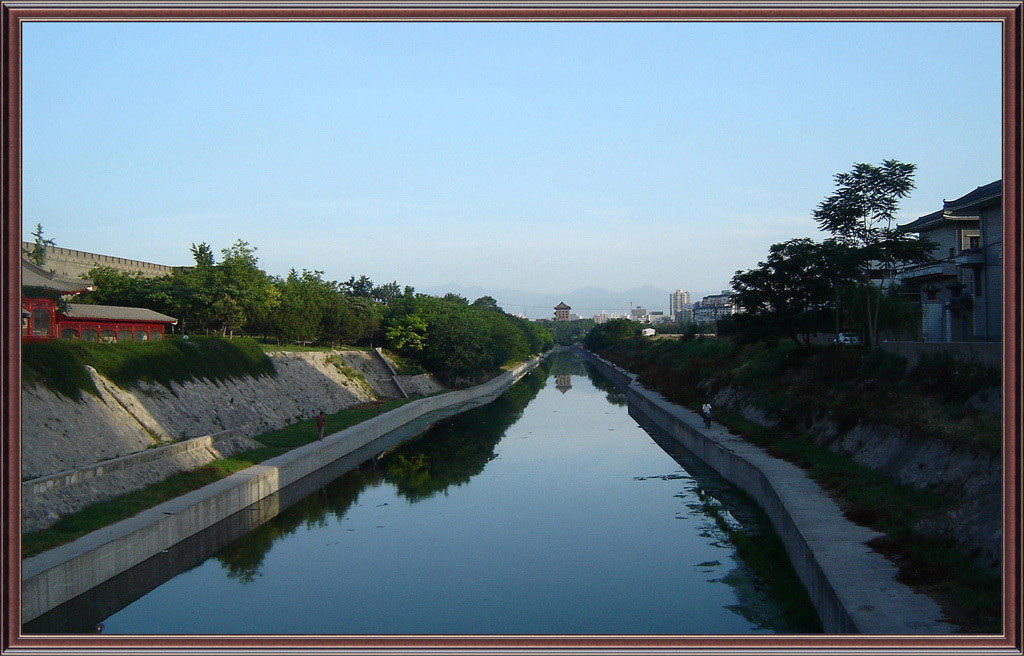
[(542, 157)]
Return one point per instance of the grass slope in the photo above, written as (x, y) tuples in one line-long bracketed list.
[(60, 365)]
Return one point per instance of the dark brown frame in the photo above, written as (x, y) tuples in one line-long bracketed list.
[(14, 12)]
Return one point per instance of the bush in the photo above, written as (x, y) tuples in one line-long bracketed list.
[(934, 374)]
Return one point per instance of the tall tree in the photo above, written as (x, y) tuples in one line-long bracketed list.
[(361, 286), (791, 291), (861, 214), (37, 253)]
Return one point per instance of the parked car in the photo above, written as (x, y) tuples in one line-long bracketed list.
[(847, 339)]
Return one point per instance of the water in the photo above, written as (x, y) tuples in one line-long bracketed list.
[(549, 510)]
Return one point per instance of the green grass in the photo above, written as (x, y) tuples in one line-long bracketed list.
[(274, 443), (970, 595), (849, 386), (60, 365), (404, 366), (348, 371)]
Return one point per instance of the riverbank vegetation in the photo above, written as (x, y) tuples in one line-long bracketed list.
[(567, 333), (60, 365), (794, 388), (458, 340), (272, 444)]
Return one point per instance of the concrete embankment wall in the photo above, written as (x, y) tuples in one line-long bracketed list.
[(46, 499), (853, 588), (60, 574), (59, 433)]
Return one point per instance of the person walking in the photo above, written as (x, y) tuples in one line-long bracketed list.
[(321, 424), (705, 411)]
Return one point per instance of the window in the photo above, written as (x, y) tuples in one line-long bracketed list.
[(40, 322), (89, 335), (156, 336), (141, 335), (974, 243), (107, 336), (24, 322), (68, 333), (124, 335), (952, 251)]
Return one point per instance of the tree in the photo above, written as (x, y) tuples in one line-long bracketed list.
[(361, 286), (37, 254), (202, 254), (861, 214), (387, 292), (456, 298), (611, 333), (406, 333), (792, 290), (487, 303), (248, 296)]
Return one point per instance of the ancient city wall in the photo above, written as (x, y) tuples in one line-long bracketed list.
[(70, 263)]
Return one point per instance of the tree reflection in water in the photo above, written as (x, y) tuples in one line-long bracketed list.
[(449, 453)]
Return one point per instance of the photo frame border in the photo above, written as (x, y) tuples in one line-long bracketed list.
[(1009, 14)]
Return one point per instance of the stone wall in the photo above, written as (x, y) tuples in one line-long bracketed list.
[(47, 499), (70, 263), (60, 434)]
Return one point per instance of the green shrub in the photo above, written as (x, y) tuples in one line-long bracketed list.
[(60, 364), (935, 375)]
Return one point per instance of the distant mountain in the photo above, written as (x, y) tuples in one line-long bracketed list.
[(586, 301)]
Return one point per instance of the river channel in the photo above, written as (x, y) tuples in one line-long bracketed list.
[(549, 510)]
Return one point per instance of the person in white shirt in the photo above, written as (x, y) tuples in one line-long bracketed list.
[(705, 410)]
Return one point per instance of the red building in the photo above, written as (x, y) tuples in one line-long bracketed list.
[(43, 318)]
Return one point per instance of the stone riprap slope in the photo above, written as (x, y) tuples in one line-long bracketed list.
[(59, 434), (971, 477), (46, 500)]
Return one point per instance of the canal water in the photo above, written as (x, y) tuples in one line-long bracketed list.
[(549, 510)]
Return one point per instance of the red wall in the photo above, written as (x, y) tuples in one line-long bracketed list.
[(59, 323)]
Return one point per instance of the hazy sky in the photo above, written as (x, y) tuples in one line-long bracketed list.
[(542, 157)]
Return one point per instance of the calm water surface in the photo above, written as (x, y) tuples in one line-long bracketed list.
[(550, 510)]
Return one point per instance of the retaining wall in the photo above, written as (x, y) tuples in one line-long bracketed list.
[(853, 588), (60, 574), (45, 500)]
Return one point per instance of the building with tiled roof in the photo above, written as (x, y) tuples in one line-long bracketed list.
[(960, 290), (46, 313)]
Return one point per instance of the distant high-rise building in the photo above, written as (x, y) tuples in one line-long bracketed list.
[(639, 314), (714, 307), (562, 312), (679, 305)]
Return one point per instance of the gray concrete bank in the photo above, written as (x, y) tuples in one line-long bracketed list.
[(853, 587), (45, 500), (60, 574)]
